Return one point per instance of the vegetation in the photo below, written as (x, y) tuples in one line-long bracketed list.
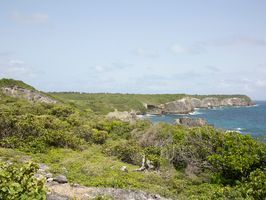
[(18, 182), (103, 103), (11, 83), (189, 163)]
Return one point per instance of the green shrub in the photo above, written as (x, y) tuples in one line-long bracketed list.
[(127, 151), (115, 128), (255, 186), (237, 157), (98, 136), (153, 154), (18, 182)]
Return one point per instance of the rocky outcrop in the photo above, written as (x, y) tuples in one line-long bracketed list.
[(60, 189), (30, 95), (181, 106), (67, 192), (191, 122), (123, 116), (188, 104)]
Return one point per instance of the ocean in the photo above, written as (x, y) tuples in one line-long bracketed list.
[(247, 120)]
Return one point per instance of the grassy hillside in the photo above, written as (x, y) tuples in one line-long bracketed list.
[(11, 82), (106, 102), (187, 163)]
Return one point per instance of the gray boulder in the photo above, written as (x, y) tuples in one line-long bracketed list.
[(191, 122), (60, 179)]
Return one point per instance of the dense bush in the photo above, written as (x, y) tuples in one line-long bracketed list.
[(255, 185), (98, 136), (18, 182), (237, 156), (34, 128), (127, 151), (116, 128)]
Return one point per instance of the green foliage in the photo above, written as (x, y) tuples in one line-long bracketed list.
[(127, 151), (153, 154), (11, 82), (36, 127), (255, 186), (103, 103), (98, 136), (117, 129), (237, 156), (18, 182)]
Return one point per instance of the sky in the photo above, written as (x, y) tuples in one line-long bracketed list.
[(136, 46)]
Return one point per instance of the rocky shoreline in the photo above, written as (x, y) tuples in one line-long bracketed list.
[(188, 105)]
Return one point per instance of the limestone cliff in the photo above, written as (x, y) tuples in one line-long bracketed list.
[(188, 104)]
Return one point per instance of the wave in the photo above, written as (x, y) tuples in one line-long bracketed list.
[(196, 112), (148, 115), (256, 105)]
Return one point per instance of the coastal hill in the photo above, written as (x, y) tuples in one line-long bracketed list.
[(56, 147), (19, 89), (103, 103)]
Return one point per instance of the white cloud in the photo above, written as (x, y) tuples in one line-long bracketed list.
[(112, 67), (236, 40), (202, 46), (99, 68), (146, 52), (35, 18), (260, 83), (193, 49), (17, 69), (16, 62)]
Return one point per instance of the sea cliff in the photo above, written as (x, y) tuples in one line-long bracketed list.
[(188, 104)]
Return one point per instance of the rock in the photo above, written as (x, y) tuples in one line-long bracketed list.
[(48, 175), (43, 167), (124, 169), (182, 106), (123, 116), (60, 179), (49, 180), (188, 104), (39, 176), (235, 102), (56, 197), (210, 102), (68, 191), (191, 122), (30, 95), (154, 110)]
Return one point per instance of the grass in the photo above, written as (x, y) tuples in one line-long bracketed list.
[(92, 168), (11, 82)]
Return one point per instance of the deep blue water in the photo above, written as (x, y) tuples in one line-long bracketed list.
[(251, 120)]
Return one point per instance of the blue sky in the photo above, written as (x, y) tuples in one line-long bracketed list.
[(136, 46)]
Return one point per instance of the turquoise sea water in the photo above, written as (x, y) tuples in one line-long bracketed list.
[(251, 120)]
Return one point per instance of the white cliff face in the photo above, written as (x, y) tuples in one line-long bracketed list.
[(234, 102), (181, 106), (210, 102), (188, 104), (32, 96)]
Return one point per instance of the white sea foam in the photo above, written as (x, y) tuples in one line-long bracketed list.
[(140, 116), (149, 115), (196, 112)]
